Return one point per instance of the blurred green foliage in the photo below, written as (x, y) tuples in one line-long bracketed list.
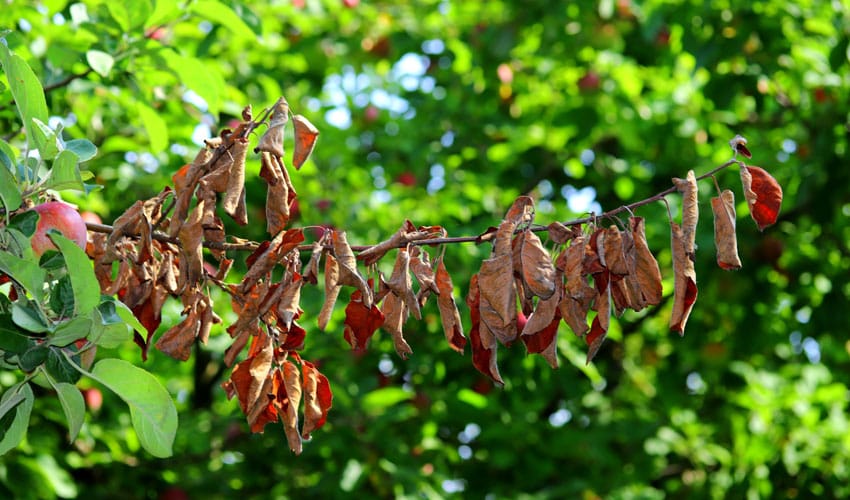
[(443, 112)]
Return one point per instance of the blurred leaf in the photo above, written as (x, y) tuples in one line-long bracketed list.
[(83, 148), (130, 15), (155, 127), (100, 62), (220, 13), (15, 408), (379, 400), (26, 90)]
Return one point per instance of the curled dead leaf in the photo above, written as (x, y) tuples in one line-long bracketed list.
[(690, 211), (449, 315), (647, 273), (305, 140), (538, 271), (481, 339), (725, 241), (272, 139), (685, 281), (498, 306), (763, 195), (318, 398)]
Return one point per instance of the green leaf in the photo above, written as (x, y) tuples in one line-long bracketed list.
[(25, 222), (18, 410), (59, 368), (75, 328), (26, 316), (83, 148), (100, 61), (11, 340), (152, 411), (472, 398), (34, 357), (62, 295), (65, 173), (83, 280), (10, 194), (126, 314), (26, 90), (197, 76), (380, 399), (130, 15), (44, 135), (25, 272), (108, 329), (155, 127), (220, 13)]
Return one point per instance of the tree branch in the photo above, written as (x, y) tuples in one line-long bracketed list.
[(250, 246)]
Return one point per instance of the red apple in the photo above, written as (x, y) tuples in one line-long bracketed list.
[(406, 178), (93, 398), (61, 217), (350, 3)]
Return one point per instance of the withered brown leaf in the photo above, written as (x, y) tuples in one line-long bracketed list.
[(395, 312), (647, 273), (482, 341), (763, 195), (305, 140), (288, 408), (449, 315), (685, 280), (318, 398), (235, 192), (361, 321), (498, 306), (725, 241), (578, 294), (272, 139), (690, 211), (540, 333), (538, 271)]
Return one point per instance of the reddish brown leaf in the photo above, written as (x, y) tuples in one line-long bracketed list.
[(401, 284), (279, 198), (395, 310), (361, 321), (283, 243), (288, 408), (725, 241), (647, 273), (578, 294), (305, 140), (521, 212), (685, 278), (498, 307), (249, 379), (595, 338), (318, 398), (272, 139), (763, 195), (332, 289), (484, 347), (739, 145), (449, 315), (690, 211), (538, 271), (348, 274), (540, 333), (235, 192)]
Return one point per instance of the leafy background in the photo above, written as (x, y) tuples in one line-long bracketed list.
[(443, 112)]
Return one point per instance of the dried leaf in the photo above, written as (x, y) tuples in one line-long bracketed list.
[(311, 270), (287, 306), (690, 211), (235, 192), (763, 195), (647, 273), (305, 140), (538, 271), (521, 212), (578, 294), (348, 274), (739, 145), (394, 311), (332, 288), (318, 398), (249, 377), (725, 241), (406, 233), (481, 339), (401, 283), (561, 234), (279, 198), (288, 408), (449, 315), (177, 342), (420, 265), (283, 243), (540, 333), (272, 139), (599, 326), (361, 321), (191, 236), (685, 281), (498, 307)]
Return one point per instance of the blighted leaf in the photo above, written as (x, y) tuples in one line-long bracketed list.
[(305, 140), (690, 211), (521, 212), (406, 233), (599, 327), (289, 408), (283, 243), (481, 339), (763, 195), (395, 311), (361, 321), (279, 197), (249, 378), (540, 334), (235, 192), (272, 139), (348, 274), (498, 307), (538, 271), (685, 281), (725, 240), (287, 307), (561, 234), (578, 294), (449, 315), (401, 283), (332, 289), (317, 398), (420, 265), (311, 270), (647, 273), (191, 236)]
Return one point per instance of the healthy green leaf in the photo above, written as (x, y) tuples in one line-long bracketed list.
[(83, 280), (25, 272), (152, 411), (27, 317), (43, 134), (25, 222), (126, 315), (11, 340), (19, 409), (73, 405), (65, 173), (59, 368), (130, 15), (100, 62), (379, 400), (75, 328), (61, 294), (108, 330), (10, 194), (26, 90), (155, 127), (220, 13), (83, 148)]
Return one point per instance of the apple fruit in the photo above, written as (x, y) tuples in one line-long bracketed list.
[(61, 217), (93, 398)]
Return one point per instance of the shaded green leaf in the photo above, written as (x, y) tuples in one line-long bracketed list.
[(15, 411), (25, 222), (33, 357), (77, 327), (27, 317), (108, 329), (73, 405), (379, 400), (83, 280), (11, 339), (83, 148), (60, 368), (24, 271)]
